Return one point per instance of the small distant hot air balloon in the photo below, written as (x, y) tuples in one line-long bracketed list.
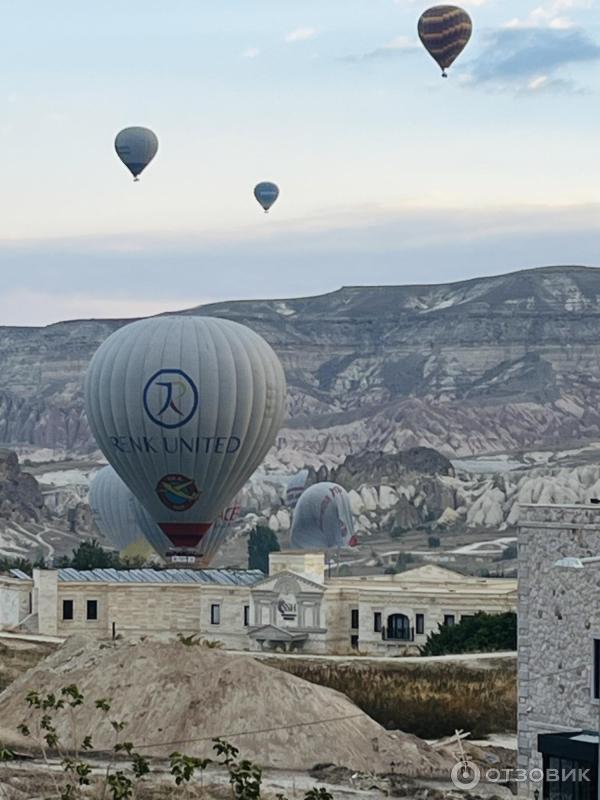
[(266, 193), (445, 31), (136, 147), (185, 409), (323, 519)]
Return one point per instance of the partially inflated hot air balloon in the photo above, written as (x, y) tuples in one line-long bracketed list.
[(323, 519), (136, 147), (445, 31), (116, 514), (185, 409), (266, 193)]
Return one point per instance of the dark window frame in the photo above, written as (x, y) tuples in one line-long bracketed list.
[(246, 616), (215, 613), (449, 620), (419, 624), (596, 670), (94, 618), (377, 622), (354, 619), (71, 616)]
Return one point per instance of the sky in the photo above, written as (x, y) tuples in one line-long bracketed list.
[(388, 173)]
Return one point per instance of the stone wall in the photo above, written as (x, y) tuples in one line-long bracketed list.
[(559, 617)]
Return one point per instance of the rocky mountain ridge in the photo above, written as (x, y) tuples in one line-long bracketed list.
[(486, 365)]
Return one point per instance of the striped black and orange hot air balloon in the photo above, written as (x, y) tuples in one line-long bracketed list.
[(445, 31)]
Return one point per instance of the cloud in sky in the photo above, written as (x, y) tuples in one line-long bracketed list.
[(399, 45), (251, 52), (529, 57), (301, 35), (551, 14)]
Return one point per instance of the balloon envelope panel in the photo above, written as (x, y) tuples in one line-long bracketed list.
[(185, 409), (136, 147), (445, 31), (323, 518)]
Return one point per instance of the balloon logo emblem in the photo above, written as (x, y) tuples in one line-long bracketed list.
[(177, 492), (170, 398)]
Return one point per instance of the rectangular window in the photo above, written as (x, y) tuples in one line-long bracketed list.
[(377, 622), (354, 619), (91, 610), (596, 686), (449, 619), (246, 616), (354, 642), (215, 614), (67, 609), (420, 623)]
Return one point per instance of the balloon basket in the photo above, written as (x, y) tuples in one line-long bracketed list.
[(182, 558)]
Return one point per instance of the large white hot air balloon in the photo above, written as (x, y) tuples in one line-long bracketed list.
[(185, 409), (115, 511), (323, 519)]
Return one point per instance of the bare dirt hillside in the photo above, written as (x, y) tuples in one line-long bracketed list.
[(178, 697)]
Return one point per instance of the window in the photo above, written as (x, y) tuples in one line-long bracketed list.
[(354, 619), (215, 614), (377, 622), (449, 619), (420, 623), (246, 616), (596, 686), (354, 642), (91, 610), (67, 609)]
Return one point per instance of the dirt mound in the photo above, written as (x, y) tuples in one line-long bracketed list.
[(178, 697)]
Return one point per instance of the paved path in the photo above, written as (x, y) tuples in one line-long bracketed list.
[(385, 659)]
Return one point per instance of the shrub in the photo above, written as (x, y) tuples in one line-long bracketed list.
[(481, 633)]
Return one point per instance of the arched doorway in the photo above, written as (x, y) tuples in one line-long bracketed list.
[(398, 628)]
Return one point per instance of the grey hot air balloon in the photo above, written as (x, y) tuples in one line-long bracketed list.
[(185, 409), (136, 147), (266, 193), (116, 514), (323, 519)]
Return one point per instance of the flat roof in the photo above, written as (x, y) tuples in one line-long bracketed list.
[(222, 577)]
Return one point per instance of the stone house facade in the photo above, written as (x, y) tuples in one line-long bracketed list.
[(295, 608), (559, 647)]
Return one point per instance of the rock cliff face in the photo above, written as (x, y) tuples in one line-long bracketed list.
[(480, 366), (21, 499)]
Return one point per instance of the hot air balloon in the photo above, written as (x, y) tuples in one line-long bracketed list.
[(445, 31), (266, 193), (136, 147), (116, 514), (323, 519), (185, 409)]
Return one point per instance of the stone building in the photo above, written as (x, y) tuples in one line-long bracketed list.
[(559, 648), (295, 608)]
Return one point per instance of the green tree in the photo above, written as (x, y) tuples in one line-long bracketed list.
[(91, 555), (480, 633), (261, 542)]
